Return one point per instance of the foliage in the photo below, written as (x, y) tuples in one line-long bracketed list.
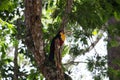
[(5, 61), (86, 20), (114, 74), (97, 65)]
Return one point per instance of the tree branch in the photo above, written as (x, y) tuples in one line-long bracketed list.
[(74, 62), (16, 68), (67, 12), (93, 44), (58, 53), (33, 11)]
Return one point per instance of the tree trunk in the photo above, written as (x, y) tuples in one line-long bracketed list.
[(113, 53), (34, 41)]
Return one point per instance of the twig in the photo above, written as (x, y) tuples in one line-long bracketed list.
[(93, 44), (74, 62)]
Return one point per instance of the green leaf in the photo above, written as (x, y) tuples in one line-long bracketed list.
[(2, 22), (95, 32), (15, 42), (33, 75), (65, 50), (117, 15), (114, 43), (7, 5), (118, 1), (10, 27)]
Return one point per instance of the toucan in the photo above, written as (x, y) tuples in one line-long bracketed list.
[(61, 37)]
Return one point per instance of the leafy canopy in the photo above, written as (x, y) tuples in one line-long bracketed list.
[(85, 21)]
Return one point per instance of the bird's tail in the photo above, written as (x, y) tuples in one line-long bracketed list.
[(51, 56)]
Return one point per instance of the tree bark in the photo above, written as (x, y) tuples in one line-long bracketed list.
[(58, 58), (33, 10), (113, 54), (34, 41)]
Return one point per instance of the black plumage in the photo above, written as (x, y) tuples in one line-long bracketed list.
[(52, 46)]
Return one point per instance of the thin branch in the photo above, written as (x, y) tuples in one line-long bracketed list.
[(74, 62), (16, 68), (93, 44)]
